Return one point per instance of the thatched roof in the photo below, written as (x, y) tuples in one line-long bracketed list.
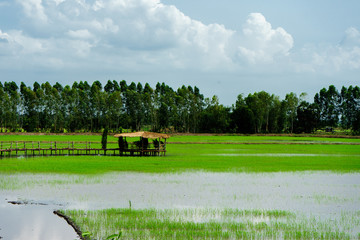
[(151, 135)]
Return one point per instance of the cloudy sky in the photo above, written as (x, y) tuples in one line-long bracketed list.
[(223, 47)]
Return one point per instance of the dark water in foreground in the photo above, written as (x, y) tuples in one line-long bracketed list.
[(32, 222)]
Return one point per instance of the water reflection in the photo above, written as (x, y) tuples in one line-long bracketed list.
[(326, 195), (32, 222)]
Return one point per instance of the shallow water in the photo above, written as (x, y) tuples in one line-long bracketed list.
[(324, 195), (308, 192), (32, 222)]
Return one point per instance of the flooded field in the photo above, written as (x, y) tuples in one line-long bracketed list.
[(32, 221), (326, 196), (319, 193)]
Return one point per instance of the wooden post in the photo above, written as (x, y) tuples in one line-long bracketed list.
[(159, 147), (55, 149)]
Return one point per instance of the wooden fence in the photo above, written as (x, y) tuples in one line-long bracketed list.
[(61, 148)]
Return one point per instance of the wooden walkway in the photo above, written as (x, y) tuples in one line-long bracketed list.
[(58, 148)]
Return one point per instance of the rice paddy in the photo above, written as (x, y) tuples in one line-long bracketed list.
[(210, 224), (247, 187)]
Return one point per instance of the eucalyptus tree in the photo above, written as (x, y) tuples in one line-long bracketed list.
[(30, 111), (242, 117), (350, 105), (149, 106), (134, 107), (307, 118), (260, 106), (97, 105), (215, 118), (292, 102), (13, 102), (327, 102)]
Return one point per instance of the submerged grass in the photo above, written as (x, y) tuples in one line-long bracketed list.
[(207, 224), (21, 181)]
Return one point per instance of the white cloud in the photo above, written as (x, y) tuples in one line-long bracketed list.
[(82, 33), (98, 5), (261, 43), (34, 9), (17, 43), (4, 36), (352, 37), (345, 56), (136, 34)]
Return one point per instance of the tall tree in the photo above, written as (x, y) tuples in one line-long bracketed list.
[(350, 105), (307, 118), (215, 118), (242, 118), (292, 102), (327, 103)]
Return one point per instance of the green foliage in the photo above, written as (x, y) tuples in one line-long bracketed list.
[(114, 236), (104, 138), (82, 107)]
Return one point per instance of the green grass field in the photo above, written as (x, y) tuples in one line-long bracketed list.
[(190, 157), (190, 138), (198, 157)]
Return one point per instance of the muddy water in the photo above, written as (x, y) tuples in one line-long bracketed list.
[(32, 222)]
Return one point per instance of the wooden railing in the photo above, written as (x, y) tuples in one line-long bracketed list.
[(46, 148)]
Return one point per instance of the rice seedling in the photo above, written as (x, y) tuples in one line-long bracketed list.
[(228, 224), (188, 157)]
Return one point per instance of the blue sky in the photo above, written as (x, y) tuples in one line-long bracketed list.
[(223, 47)]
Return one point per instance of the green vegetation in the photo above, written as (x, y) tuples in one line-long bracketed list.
[(260, 139), (201, 138), (91, 108), (209, 224), (225, 153), (203, 157)]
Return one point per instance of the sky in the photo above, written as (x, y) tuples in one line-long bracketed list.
[(225, 48)]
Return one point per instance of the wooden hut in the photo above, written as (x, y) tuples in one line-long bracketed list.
[(142, 147)]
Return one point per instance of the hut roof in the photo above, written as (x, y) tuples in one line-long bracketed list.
[(143, 134)]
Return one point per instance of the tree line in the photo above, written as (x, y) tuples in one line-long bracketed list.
[(118, 105)]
